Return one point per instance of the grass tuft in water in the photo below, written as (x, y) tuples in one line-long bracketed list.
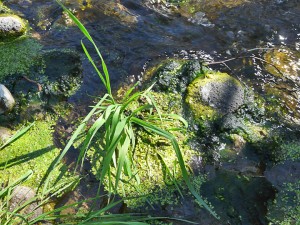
[(115, 121)]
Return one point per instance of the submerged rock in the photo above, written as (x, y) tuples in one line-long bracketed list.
[(192, 9), (62, 74), (239, 199), (7, 101), (11, 26), (91, 8), (283, 96), (286, 206), (283, 62), (20, 196)]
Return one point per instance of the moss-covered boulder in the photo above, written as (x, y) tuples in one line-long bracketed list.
[(11, 26), (174, 75), (214, 95)]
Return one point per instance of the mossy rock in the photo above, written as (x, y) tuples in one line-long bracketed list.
[(214, 95), (174, 75), (4, 9), (11, 27)]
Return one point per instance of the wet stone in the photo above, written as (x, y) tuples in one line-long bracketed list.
[(22, 194), (215, 95), (5, 134), (11, 26), (7, 101)]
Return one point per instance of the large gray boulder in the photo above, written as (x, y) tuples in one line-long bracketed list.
[(7, 101), (11, 26)]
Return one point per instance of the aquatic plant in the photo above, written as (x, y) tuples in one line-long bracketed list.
[(115, 121)]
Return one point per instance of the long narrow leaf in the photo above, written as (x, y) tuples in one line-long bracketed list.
[(17, 135), (184, 172)]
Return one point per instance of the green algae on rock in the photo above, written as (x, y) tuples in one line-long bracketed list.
[(285, 209), (4, 9), (17, 57), (62, 73), (213, 95)]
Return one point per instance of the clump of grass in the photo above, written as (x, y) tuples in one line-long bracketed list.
[(115, 121)]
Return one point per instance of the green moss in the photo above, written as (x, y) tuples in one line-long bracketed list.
[(3, 8), (285, 210), (288, 151), (35, 150), (254, 133), (202, 111), (18, 57)]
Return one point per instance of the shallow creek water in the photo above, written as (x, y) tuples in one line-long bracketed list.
[(134, 35)]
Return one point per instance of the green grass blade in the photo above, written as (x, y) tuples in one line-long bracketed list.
[(153, 102), (76, 21), (131, 99), (110, 148), (94, 65), (125, 144), (128, 93), (23, 178), (184, 172), (88, 36), (17, 135), (89, 137), (73, 138)]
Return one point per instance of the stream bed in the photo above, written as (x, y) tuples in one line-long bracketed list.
[(257, 42)]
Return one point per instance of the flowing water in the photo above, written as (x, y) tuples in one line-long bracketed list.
[(134, 35)]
